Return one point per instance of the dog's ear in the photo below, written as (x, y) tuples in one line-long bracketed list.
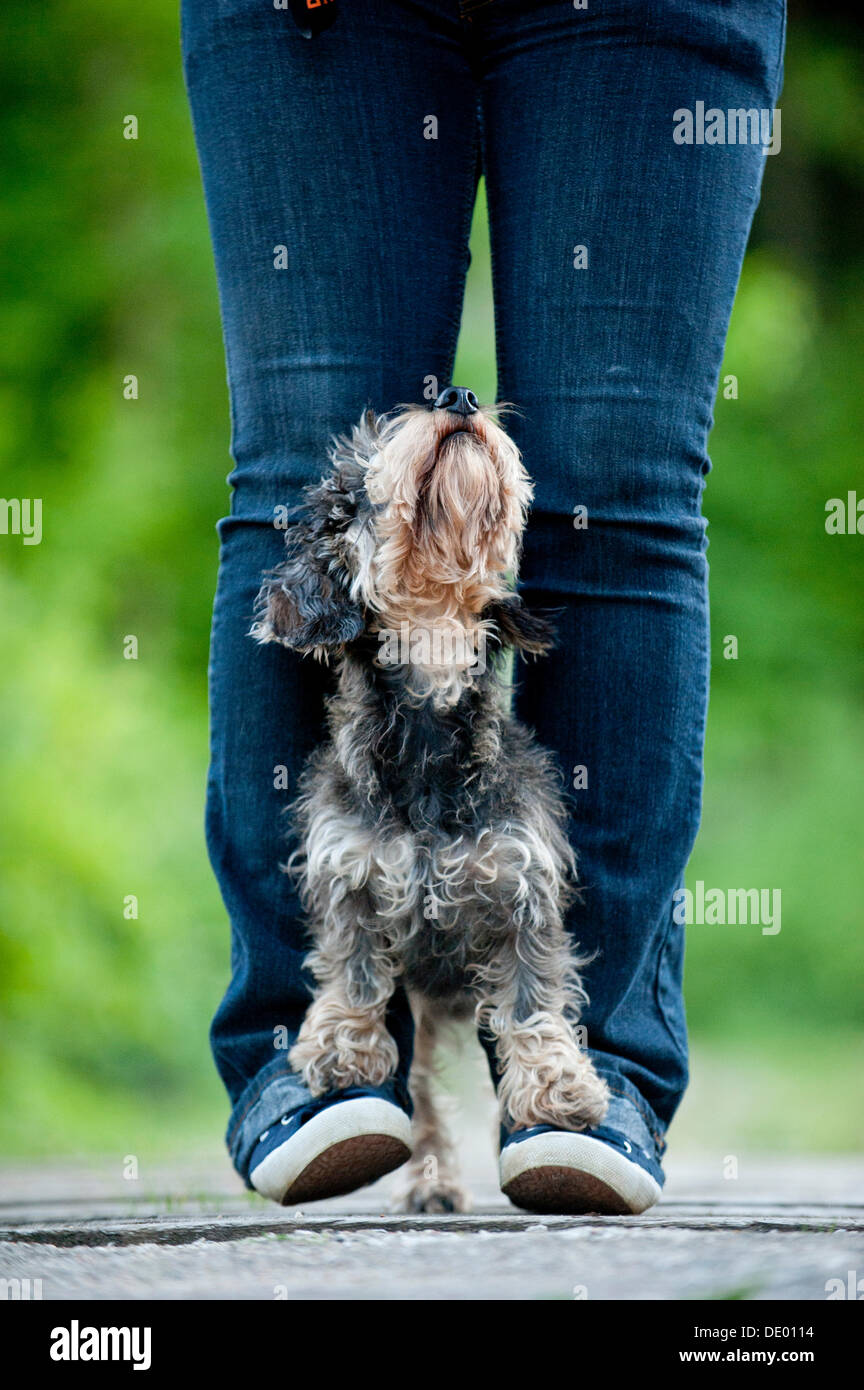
[(516, 626), (304, 603)]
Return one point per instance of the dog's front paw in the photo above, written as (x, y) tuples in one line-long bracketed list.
[(547, 1080), (338, 1047), (577, 1098)]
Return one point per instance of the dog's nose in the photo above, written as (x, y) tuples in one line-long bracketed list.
[(458, 400)]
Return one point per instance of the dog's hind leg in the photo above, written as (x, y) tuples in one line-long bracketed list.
[(431, 1178)]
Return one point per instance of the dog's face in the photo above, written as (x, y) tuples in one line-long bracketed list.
[(419, 524), (450, 496)]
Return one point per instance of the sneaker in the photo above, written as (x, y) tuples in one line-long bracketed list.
[(555, 1171), (325, 1149)]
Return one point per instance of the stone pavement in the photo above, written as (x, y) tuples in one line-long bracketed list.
[(781, 1229)]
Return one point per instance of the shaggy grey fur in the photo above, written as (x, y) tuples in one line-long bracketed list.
[(432, 846)]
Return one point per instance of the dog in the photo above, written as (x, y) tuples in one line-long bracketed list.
[(433, 852)]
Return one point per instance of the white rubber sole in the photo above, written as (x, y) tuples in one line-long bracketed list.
[(344, 1147), (572, 1174)]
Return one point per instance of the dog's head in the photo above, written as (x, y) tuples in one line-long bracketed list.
[(451, 496), (418, 525)]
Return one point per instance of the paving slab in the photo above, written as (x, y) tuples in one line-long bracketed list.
[(785, 1228)]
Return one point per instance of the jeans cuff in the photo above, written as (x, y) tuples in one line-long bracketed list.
[(277, 1092), (631, 1115), (274, 1092)]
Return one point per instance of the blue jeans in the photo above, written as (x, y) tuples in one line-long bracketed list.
[(325, 148)]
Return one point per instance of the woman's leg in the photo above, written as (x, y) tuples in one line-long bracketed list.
[(611, 355), (340, 231)]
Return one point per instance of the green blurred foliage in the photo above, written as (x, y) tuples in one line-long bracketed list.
[(107, 271)]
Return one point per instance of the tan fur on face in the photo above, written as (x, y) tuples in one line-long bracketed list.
[(453, 496)]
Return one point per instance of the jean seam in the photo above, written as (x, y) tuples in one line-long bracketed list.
[(494, 270), (465, 218), (778, 70), (681, 1049)]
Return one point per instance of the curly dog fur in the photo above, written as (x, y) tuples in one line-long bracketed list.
[(432, 833)]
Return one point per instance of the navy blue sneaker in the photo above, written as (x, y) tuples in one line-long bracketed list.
[(554, 1171), (330, 1146)]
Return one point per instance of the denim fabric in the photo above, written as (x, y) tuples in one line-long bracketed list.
[(319, 146)]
